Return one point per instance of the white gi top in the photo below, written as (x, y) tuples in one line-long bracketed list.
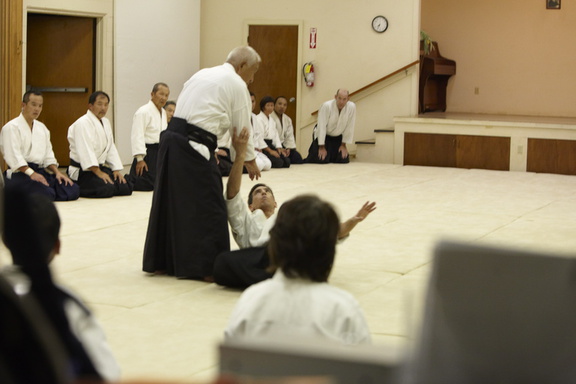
[(147, 124), (83, 325), (217, 100), (265, 128), (299, 308), (250, 229), (258, 133), (21, 145), (225, 141), (332, 123), (285, 130), (92, 144)]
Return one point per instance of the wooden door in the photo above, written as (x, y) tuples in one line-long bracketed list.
[(61, 63), (277, 45)]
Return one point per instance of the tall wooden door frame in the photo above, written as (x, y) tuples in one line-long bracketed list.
[(99, 52), (299, 63), (99, 62), (61, 56)]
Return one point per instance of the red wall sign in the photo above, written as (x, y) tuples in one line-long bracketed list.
[(313, 38)]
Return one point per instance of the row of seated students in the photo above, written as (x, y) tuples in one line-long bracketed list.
[(95, 165), (273, 137)]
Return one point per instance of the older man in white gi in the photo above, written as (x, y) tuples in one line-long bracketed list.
[(94, 160), (149, 120), (25, 144), (335, 129), (188, 221)]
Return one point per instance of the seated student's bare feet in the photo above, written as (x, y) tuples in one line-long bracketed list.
[(159, 272), (208, 279)]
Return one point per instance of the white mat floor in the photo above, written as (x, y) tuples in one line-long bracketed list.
[(161, 327)]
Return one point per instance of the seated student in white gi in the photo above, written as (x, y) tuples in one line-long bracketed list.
[(298, 301), (335, 129), (94, 161), (265, 128), (262, 161), (169, 107), (25, 144), (251, 226), (285, 130), (38, 215), (149, 120)]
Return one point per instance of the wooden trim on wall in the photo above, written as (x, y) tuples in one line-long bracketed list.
[(11, 57), (11, 45), (404, 68)]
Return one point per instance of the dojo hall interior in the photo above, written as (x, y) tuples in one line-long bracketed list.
[(512, 63), (163, 328)]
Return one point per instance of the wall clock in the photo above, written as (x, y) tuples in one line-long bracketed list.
[(380, 24)]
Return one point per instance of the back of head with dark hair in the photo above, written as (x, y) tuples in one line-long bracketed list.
[(303, 240), (94, 96), (41, 226), (30, 232)]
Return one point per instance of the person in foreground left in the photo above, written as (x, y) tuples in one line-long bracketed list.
[(31, 233)]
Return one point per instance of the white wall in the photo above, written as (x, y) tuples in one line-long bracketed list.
[(349, 53), (154, 41)]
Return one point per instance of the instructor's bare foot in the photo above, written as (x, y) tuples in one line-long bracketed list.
[(159, 272), (208, 279)]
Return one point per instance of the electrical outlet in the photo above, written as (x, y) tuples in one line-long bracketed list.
[(520, 149)]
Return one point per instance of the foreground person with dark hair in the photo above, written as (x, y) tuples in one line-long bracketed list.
[(31, 233), (297, 300)]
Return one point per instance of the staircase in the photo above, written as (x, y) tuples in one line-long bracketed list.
[(377, 150)]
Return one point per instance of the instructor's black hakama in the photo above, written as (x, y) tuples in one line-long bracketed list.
[(188, 224)]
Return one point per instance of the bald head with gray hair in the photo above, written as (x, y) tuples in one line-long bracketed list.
[(243, 55), (245, 61)]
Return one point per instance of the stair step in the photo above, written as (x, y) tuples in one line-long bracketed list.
[(368, 141)]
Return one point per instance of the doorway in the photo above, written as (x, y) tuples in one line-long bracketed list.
[(277, 45), (60, 62)]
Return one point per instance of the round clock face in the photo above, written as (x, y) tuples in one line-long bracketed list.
[(380, 24)]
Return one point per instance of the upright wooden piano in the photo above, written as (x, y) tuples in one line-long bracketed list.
[(435, 71)]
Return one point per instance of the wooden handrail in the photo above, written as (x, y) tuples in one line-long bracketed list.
[(378, 81)]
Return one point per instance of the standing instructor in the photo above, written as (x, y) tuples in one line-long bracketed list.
[(188, 220)]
